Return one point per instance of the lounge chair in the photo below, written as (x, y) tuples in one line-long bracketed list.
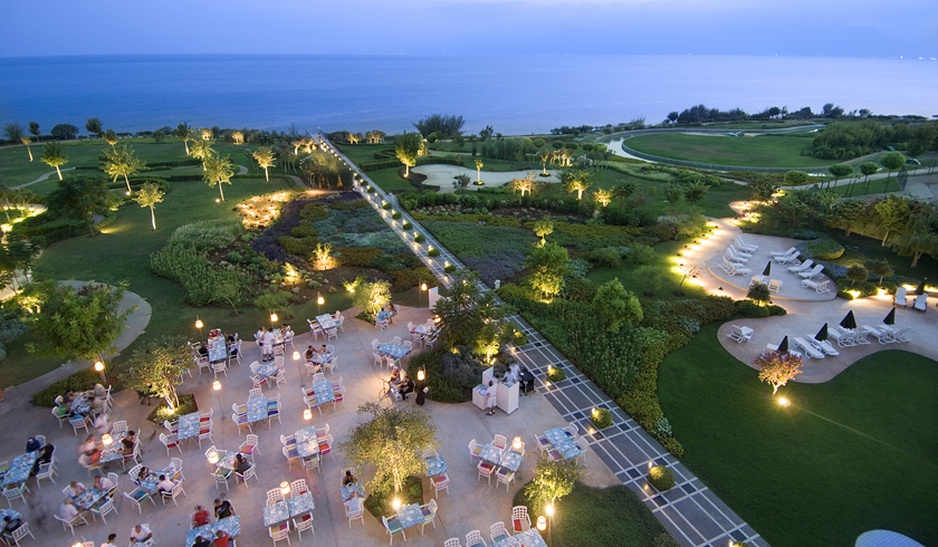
[(745, 246), (809, 350), (769, 348), (921, 302), (884, 336), (813, 272), (902, 335), (901, 298), (740, 251), (786, 253), (740, 334), (822, 345), (735, 269), (734, 257), (775, 285), (802, 267), (819, 288), (788, 258)]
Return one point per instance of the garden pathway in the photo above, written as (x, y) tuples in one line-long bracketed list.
[(41, 178), (690, 511)]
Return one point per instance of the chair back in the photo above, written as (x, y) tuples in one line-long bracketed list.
[(299, 487), (474, 538), (274, 495), (452, 542), (500, 442)]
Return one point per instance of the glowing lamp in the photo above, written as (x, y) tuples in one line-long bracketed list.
[(307, 414), (396, 503), (549, 510), (199, 324), (274, 317), (320, 300), (541, 523), (76, 544), (99, 366), (216, 385), (213, 457), (106, 439), (217, 200), (516, 443), (423, 286), (296, 356), (783, 401), (284, 488), (421, 375)]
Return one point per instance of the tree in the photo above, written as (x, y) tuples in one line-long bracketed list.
[(81, 200), (552, 481), (840, 170), (93, 125), (922, 240), (891, 161), (464, 312), (486, 133), (264, 156), (879, 267), (158, 136), (218, 171), (13, 131), (407, 148), (795, 178), (615, 305), (543, 228), (777, 368), (650, 278), (17, 254), (121, 161), (857, 273), (157, 368), (34, 129), (110, 137), (184, 134), (759, 293), (479, 166), (696, 191), (202, 149), (76, 324), (845, 214), (894, 214), (54, 155), (393, 441), (868, 168), (603, 196), (446, 127), (831, 111), (26, 140), (577, 181), (64, 132), (148, 196), (371, 297), (922, 139), (548, 264), (237, 137)]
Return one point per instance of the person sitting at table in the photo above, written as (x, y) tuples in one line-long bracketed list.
[(395, 378), (165, 484), (231, 338), (349, 478), (222, 539), (310, 353), (202, 541), (67, 510), (103, 484), (241, 465), (203, 349), (201, 517), (128, 443), (8, 525), (110, 541), (140, 534), (75, 488), (102, 423), (90, 460), (45, 456), (88, 446), (223, 509), (406, 386), (99, 391), (323, 350), (142, 475)]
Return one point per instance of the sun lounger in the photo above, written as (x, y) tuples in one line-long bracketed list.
[(740, 251), (901, 298), (819, 288), (822, 345), (883, 335), (745, 246), (735, 269), (802, 267), (733, 257), (775, 285), (902, 335), (769, 348), (813, 272), (740, 334), (809, 350), (786, 253), (921, 302), (788, 258)]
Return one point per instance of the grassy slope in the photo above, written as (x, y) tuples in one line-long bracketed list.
[(850, 455), (762, 151)]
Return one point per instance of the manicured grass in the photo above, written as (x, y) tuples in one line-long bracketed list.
[(761, 151), (600, 517), (664, 261), (389, 180), (849, 455)]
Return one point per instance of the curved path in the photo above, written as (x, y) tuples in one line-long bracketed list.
[(41, 178), (442, 175)]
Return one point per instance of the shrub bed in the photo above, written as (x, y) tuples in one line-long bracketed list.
[(83, 380)]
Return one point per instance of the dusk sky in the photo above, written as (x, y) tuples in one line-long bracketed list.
[(758, 27)]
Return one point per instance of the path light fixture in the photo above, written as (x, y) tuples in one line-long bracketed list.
[(274, 318), (783, 401), (307, 414), (421, 375), (284, 488), (319, 302), (541, 523), (423, 289), (99, 367), (396, 503), (216, 387)]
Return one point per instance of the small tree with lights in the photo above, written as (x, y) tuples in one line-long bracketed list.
[(777, 368), (552, 481), (157, 368)]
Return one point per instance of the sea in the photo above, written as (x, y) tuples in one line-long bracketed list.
[(514, 94)]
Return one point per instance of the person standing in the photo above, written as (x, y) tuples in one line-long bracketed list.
[(489, 393)]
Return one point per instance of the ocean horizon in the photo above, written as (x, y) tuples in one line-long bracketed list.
[(515, 94)]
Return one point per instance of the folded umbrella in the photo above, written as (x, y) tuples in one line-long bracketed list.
[(849, 321), (821, 334), (783, 347), (768, 269), (920, 290), (890, 318)]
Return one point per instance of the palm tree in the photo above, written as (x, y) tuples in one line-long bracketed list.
[(149, 195), (479, 166), (218, 170), (201, 149), (121, 161), (184, 133), (26, 140), (54, 155), (264, 156)]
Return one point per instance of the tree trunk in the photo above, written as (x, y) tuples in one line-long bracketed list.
[(885, 237), (30, 152), (222, 192), (153, 218), (186, 143), (915, 257), (266, 175), (59, 171), (127, 181), (406, 171), (775, 388)]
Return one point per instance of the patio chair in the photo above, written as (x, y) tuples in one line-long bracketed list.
[(787, 258), (474, 539), (78, 422), (220, 366), (305, 523), (393, 526), (451, 542), (355, 515), (137, 497), (883, 336), (809, 350), (61, 414), (250, 446), (820, 288), (736, 333), (822, 345), (103, 509), (775, 285), (290, 453), (15, 492), (734, 257), (249, 473), (70, 524), (23, 531), (739, 250), (221, 478), (498, 532), (520, 521), (500, 442), (505, 476), (440, 482), (46, 471), (784, 253), (806, 265), (902, 335), (280, 532), (170, 441), (813, 272), (474, 450), (921, 303), (429, 511), (486, 470), (744, 245), (843, 339)]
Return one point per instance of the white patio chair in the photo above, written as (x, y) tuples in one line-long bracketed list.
[(784, 253), (813, 272), (787, 258), (822, 345), (393, 526), (775, 285), (498, 532), (474, 539), (806, 265), (921, 302), (70, 524), (520, 521), (429, 511), (809, 350), (305, 523), (738, 334)]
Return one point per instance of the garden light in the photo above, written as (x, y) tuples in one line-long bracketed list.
[(307, 414), (516, 443), (296, 356), (198, 323), (783, 401), (106, 439), (216, 385), (541, 523), (549, 510), (99, 366), (284, 488), (421, 375), (274, 317), (213, 456), (396, 503)]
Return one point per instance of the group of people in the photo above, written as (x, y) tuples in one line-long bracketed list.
[(314, 356), (404, 386), (91, 450), (201, 517), (96, 398), (68, 511), (266, 339)]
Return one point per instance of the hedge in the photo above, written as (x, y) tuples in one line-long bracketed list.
[(83, 380)]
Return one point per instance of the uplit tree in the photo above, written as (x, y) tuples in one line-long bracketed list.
[(895, 215), (237, 137), (603, 196), (879, 267), (552, 481), (121, 161), (777, 368), (525, 185), (479, 166), (265, 157), (149, 195), (393, 441), (157, 368), (371, 296), (26, 140), (577, 181), (407, 148), (93, 125), (202, 149), (548, 264), (54, 155), (543, 228), (218, 171), (922, 239), (616, 306), (184, 134)]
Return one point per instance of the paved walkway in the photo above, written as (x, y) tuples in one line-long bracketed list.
[(691, 512), (41, 178)]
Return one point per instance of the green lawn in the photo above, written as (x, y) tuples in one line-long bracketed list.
[(760, 151), (853, 454)]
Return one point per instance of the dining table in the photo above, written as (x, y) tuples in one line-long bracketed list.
[(319, 358), (268, 369), (436, 465), (507, 459), (352, 488), (150, 483), (562, 442), (257, 408), (81, 404), (88, 498), (324, 392), (409, 515), (326, 321), (20, 468), (396, 351), (231, 525), (188, 426), (528, 538), (293, 507), (217, 349), (307, 442)]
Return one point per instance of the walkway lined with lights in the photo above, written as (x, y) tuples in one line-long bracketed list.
[(690, 511)]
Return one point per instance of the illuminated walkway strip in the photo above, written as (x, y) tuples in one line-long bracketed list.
[(690, 511)]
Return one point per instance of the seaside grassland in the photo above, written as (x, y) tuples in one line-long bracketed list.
[(850, 455), (758, 151)]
